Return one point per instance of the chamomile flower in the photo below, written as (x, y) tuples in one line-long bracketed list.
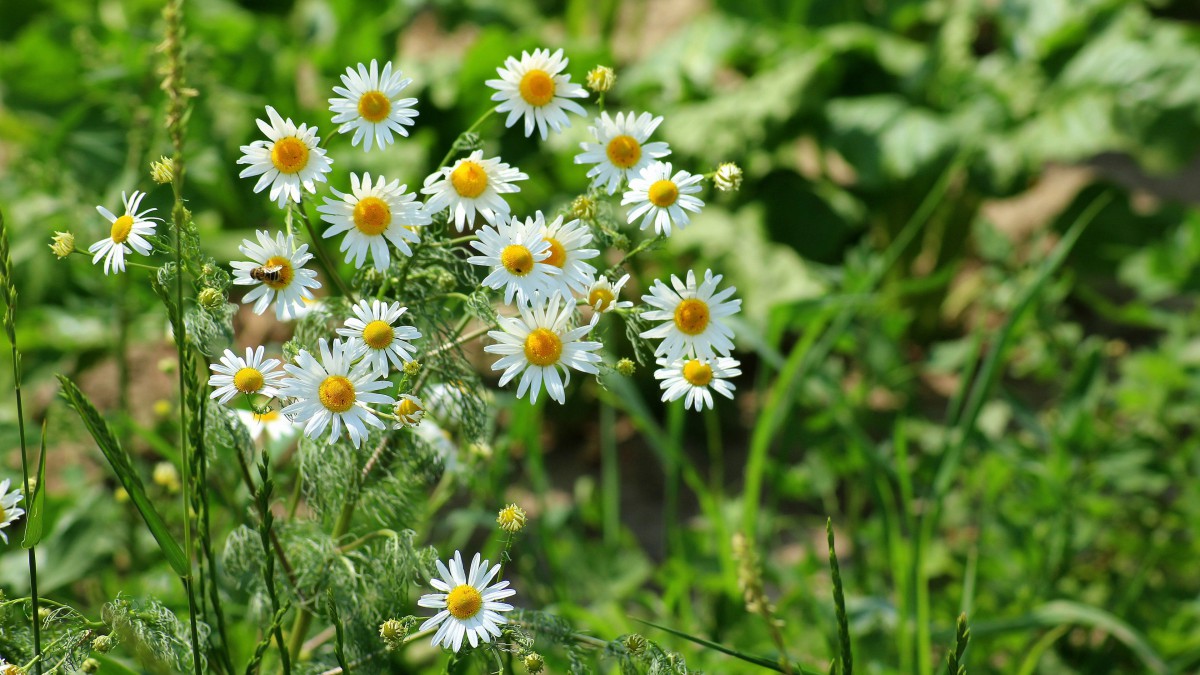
[(331, 390), (371, 216), (290, 159), (468, 603), (692, 317), (696, 379), (535, 88), (409, 411), (620, 151), (279, 272), (662, 199), (9, 511), (249, 376), (273, 424), (538, 344), (517, 254), (567, 253), (370, 105), (602, 295), (372, 331), (128, 233), (473, 184)]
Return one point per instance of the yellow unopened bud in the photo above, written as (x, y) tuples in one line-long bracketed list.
[(63, 244), (393, 632), (583, 207), (601, 79), (210, 298), (511, 518), (162, 170), (162, 407), (90, 666), (626, 367), (411, 368), (534, 663), (728, 177), (120, 495), (103, 644), (635, 643), (166, 476)]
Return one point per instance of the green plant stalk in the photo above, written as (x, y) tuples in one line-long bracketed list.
[(328, 266), (454, 146), (672, 469), (266, 520), (839, 603), (610, 479)]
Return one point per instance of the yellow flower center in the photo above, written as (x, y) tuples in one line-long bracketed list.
[(284, 276), (517, 259), (121, 228), (289, 155), (601, 295), (543, 347), (378, 334), (269, 416), (374, 106), (248, 380), (464, 602), (336, 393), (624, 151), (469, 179), (372, 216), (663, 193), (407, 408), (537, 87), (697, 373), (691, 316), (558, 254)]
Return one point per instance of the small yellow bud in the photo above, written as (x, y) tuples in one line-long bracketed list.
[(411, 368), (162, 170), (162, 407), (601, 78), (626, 367), (166, 476), (393, 632), (63, 244), (728, 177), (210, 298), (635, 643), (511, 518), (583, 207), (534, 663), (103, 644), (90, 666), (120, 495)]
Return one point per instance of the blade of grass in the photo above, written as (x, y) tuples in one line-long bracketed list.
[(839, 603), (37, 501), (962, 636), (760, 661)]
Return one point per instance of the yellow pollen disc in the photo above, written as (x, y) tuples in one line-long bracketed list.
[(600, 295), (624, 151), (374, 106), (336, 394), (543, 347), (248, 380), (537, 87), (469, 179), (378, 334), (407, 408), (663, 193), (269, 416), (121, 228), (558, 254), (517, 259), (289, 155), (691, 316), (372, 216), (464, 602), (697, 373), (284, 275)]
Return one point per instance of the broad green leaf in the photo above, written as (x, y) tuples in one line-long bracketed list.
[(37, 501)]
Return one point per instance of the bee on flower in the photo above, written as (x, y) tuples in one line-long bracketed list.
[(369, 105), (468, 603), (692, 317), (535, 88), (621, 150), (472, 185), (537, 345), (128, 233), (372, 216), (332, 392), (279, 272), (662, 199), (289, 159), (696, 379)]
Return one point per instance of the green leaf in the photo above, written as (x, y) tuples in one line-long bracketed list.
[(748, 658), (37, 501), (132, 483)]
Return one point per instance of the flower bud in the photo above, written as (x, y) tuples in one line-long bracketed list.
[(534, 663), (411, 368), (64, 244), (583, 208), (511, 519), (166, 476), (210, 298), (103, 643), (728, 177), (635, 643), (90, 666), (601, 79), (626, 367), (162, 171)]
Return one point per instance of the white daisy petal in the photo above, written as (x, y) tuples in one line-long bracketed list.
[(464, 607), (331, 391)]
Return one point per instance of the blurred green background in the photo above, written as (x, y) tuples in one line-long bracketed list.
[(1068, 533)]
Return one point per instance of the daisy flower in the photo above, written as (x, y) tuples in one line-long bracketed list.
[(692, 317), (620, 151), (410, 410), (472, 184), (251, 375), (271, 423), (287, 161), (371, 216), (663, 199), (330, 390), (567, 253), (373, 332), (9, 511), (517, 254), (370, 105), (602, 295), (279, 272), (128, 233), (539, 344), (697, 379), (469, 605), (534, 88)]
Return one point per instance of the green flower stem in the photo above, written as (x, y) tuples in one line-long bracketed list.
[(454, 146), (327, 265)]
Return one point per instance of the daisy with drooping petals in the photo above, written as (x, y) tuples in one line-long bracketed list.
[(620, 151), (697, 379), (468, 603), (369, 105), (534, 88), (273, 424), (372, 330), (251, 375), (128, 232), (289, 160), (331, 390), (9, 511), (663, 199), (279, 272), (517, 253), (692, 317), (602, 295), (472, 184), (567, 253), (371, 216), (409, 411), (539, 344)]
